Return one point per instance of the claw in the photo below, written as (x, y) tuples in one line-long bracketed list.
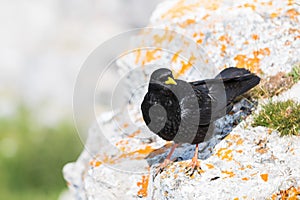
[(193, 166), (166, 162), (162, 166)]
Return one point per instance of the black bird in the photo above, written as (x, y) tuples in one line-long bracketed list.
[(184, 112)]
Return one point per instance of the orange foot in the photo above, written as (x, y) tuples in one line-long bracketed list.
[(193, 166)]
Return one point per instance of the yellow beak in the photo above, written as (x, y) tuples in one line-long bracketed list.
[(170, 81)]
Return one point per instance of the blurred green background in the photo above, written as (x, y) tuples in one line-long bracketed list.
[(32, 156)]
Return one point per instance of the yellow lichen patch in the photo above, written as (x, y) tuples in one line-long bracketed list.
[(95, 163), (264, 177), (143, 186), (236, 198), (225, 154), (292, 13), (210, 166), (229, 173)]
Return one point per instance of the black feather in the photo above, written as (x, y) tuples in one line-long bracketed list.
[(184, 112)]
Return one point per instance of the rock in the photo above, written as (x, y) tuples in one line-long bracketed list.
[(120, 155)]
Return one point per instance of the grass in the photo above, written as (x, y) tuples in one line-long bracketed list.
[(281, 116), (32, 156)]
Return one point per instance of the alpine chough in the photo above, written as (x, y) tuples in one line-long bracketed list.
[(184, 112)]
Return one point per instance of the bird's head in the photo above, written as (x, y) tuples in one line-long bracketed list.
[(162, 77)]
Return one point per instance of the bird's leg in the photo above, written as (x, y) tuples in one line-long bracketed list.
[(167, 160), (194, 164)]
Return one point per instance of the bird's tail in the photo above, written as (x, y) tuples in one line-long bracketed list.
[(237, 81)]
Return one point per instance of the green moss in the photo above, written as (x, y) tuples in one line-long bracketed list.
[(32, 156), (281, 116)]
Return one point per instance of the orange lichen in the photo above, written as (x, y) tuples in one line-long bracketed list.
[(245, 178), (199, 41), (138, 56), (292, 13), (239, 151), (225, 154), (186, 66), (291, 193), (240, 141), (125, 125), (225, 38), (223, 48), (262, 150), (181, 8), (273, 15), (175, 56), (264, 177), (150, 56), (167, 36), (255, 37), (108, 160), (135, 133), (229, 173), (236, 198), (252, 63), (291, 2), (210, 166), (205, 17), (95, 163), (144, 185), (248, 5), (146, 150), (232, 137), (187, 23)]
